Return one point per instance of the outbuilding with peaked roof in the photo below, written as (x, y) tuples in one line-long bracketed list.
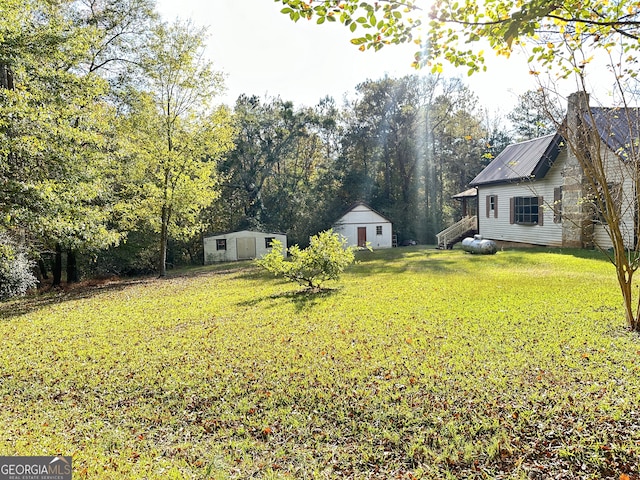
[(361, 225)]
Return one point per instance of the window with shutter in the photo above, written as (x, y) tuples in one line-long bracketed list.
[(527, 210), (492, 206)]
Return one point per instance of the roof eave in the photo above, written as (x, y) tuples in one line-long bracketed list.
[(507, 180), (548, 158)]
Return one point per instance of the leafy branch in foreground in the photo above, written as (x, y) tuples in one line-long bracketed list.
[(324, 259), (387, 22), (452, 29)]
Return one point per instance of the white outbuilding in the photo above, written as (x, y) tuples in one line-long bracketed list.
[(361, 224), (242, 245)]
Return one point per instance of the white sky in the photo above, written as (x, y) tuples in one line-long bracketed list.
[(262, 52)]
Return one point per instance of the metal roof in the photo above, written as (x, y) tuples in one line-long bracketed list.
[(519, 161), (619, 128), (471, 192), (363, 204)]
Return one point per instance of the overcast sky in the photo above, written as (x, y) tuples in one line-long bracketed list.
[(263, 52)]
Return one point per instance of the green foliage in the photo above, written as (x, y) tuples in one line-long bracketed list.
[(535, 116), (410, 144), (281, 169), (425, 364), (324, 259), (136, 255), (172, 137), (56, 149), (404, 145)]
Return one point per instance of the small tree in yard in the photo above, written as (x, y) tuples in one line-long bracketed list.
[(324, 259)]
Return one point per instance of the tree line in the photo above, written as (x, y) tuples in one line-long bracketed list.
[(116, 158)]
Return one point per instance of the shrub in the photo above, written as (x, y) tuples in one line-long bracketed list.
[(16, 270), (324, 259)]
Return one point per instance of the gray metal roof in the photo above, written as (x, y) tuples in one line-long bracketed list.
[(619, 128), (520, 161)]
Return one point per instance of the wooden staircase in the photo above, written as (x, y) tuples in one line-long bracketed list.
[(456, 232)]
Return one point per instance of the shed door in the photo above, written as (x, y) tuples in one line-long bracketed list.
[(362, 236), (246, 247)]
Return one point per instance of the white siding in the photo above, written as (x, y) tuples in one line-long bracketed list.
[(550, 233), (362, 216), (500, 228), (212, 255), (620, 173)]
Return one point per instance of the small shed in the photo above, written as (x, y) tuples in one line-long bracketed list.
[(242, 245), (362, 224)]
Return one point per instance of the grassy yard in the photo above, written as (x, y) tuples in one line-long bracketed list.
[(418, 364)]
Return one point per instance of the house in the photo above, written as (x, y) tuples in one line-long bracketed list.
[(536, 192), (361, 225), (242, 245)]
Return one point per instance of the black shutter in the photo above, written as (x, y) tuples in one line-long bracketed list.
[(540, 211), (557, 205), (512, 213)]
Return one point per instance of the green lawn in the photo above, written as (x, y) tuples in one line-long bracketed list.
[(418, 364)]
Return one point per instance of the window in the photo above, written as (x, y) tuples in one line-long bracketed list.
[(492, 206), (268, 242), (378, 229), (221, 244), (526, 210)]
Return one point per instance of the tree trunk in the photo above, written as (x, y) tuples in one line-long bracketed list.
[(57, 267), (6, 77), (625, 280), (164, 233), (72, 267), (43, 269)]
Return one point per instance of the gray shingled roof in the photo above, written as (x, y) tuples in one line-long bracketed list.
[(520, 161)]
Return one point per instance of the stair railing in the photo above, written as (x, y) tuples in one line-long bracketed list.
[(454, 231)]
